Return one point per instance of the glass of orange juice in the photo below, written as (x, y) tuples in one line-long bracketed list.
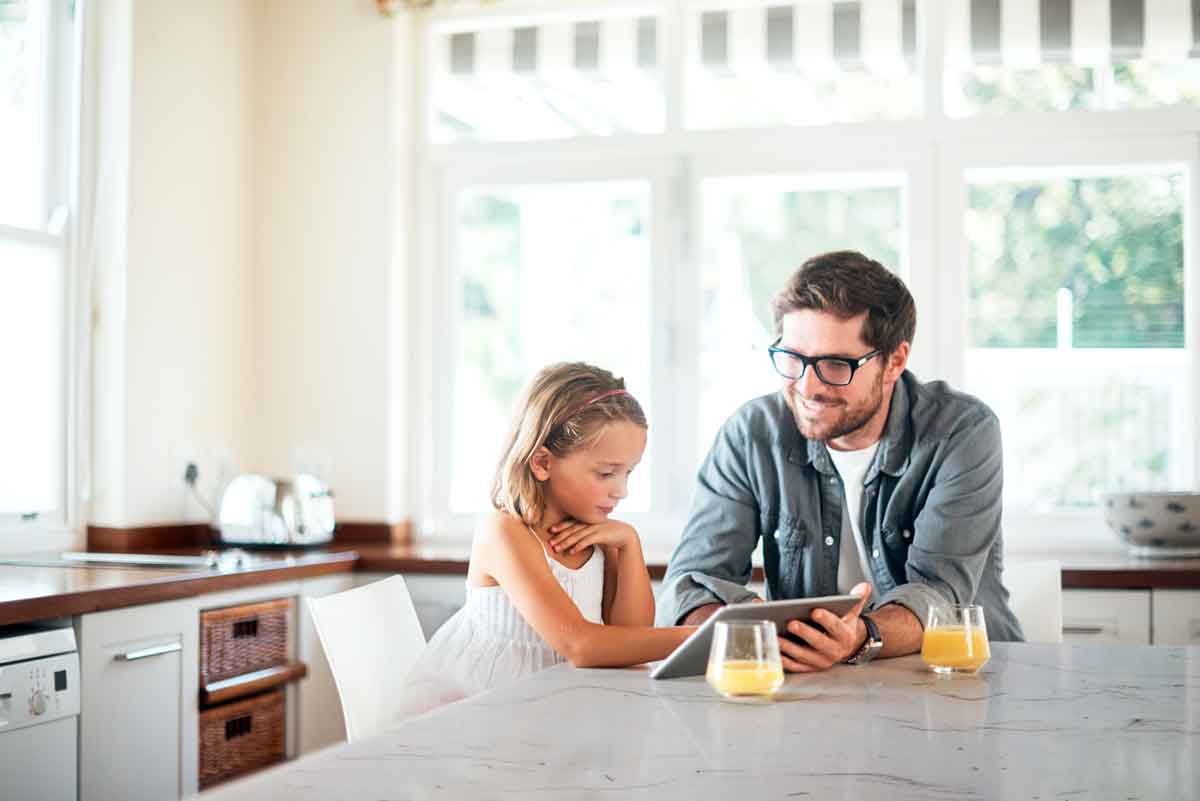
[(955, 639), (744, 659)]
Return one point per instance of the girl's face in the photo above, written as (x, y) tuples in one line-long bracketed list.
[(588, 483)]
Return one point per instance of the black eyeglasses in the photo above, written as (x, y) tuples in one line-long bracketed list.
[(833, 370)]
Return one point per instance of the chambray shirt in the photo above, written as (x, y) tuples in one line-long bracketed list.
[(930, 510)]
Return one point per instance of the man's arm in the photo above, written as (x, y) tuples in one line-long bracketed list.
[(711, 564), (956, 528)]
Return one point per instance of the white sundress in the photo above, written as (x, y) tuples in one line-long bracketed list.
[(488, 643)]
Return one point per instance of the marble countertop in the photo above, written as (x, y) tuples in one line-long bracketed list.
[(1038, 722)]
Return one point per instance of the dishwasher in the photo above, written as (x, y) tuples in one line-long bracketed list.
[(39, 713)]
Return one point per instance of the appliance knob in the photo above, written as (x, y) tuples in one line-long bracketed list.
[(37, 703)]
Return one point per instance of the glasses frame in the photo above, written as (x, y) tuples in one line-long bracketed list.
[(815, 361)]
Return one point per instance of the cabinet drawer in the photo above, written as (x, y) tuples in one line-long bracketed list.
[(1106, 616), (240, 737), (244, 638)]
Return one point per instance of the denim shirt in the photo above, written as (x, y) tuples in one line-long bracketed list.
[(930, 510)]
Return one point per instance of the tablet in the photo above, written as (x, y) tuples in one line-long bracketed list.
[(691, 657)]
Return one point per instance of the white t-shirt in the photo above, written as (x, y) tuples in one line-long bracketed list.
[(852, 466)]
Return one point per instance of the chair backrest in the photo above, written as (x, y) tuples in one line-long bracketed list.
[(1035, 596), (372, 638)]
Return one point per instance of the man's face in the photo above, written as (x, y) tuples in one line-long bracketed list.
[(825, 412)]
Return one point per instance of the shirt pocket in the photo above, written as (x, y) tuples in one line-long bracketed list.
[(792, 538)]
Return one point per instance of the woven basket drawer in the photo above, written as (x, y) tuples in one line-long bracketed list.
[(242, 639), (241, 736)]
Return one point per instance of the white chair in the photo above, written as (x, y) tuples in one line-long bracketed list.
[(1035, 596), (372, 638)]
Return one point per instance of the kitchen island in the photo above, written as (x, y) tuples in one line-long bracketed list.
[(1038, 722)]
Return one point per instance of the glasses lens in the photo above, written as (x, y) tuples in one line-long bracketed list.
[(787, 365), (834, 372)]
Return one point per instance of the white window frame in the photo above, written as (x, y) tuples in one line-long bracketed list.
[(931, 151), (57, 201)]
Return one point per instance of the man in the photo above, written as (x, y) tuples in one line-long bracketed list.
[(853, 474)]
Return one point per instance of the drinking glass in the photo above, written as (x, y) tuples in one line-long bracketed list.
[(744, 659), (955, 639)]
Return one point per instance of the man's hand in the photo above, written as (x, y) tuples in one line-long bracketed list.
[(700, 614), (822, 648)]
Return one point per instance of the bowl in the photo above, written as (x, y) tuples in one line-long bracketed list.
[(1159, 524)]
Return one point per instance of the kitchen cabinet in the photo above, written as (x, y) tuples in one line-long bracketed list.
[(1106, 616), (1176, 617), (138, 683)]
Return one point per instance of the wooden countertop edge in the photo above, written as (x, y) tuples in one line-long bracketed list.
[(167, 588)]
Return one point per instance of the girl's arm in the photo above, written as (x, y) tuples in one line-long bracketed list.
[(513, 557), (628, 598)]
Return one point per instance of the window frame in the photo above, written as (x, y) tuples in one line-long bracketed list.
[(932, 151), (56, 200)]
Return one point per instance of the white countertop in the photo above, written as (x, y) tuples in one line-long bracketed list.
[(1039, 722)]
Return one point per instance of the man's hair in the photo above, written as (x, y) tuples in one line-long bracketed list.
[(565, 407), (846, 283)]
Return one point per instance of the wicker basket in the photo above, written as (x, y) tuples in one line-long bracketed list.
[(242, 639), (240, 737)]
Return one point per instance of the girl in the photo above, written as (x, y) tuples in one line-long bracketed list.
[(548, 568)]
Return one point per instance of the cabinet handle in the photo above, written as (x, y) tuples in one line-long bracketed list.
[(1075, 629), (153, 650)]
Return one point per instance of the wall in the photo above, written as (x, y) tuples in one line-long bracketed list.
[(172, 348), (329, 259)]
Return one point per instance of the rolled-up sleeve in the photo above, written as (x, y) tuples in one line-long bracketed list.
[(958, 524), (711, 563)]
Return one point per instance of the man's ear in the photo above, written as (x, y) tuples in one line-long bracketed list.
[(896, 362), (539, 463)]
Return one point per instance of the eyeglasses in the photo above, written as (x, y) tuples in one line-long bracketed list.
[(832, 370)]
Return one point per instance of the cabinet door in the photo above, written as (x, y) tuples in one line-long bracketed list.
[(137, 666), (1106, 616), (1177, 617)]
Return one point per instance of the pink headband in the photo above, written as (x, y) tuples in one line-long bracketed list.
[(574, 410)]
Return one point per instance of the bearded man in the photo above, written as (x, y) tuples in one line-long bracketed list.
[(855, 476)]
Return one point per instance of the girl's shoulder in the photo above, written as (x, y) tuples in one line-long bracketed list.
[(498, 527)]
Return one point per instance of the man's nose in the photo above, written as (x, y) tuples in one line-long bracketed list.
[(808, 384)]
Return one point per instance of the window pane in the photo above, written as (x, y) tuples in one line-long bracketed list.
[(757, 231), (597, 76), (1076, 328), (810, 63), (22, 106), (1086, 54), (551, 272), (32, 406)]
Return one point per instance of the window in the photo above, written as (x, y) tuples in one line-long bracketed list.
[(1027, 167), (36, 92), (1076, 329)]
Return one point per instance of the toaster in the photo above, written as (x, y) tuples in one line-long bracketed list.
[(262, 512)]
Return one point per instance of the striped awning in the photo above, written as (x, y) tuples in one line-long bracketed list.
[(602, 45), (1086, 32), (845, 34)]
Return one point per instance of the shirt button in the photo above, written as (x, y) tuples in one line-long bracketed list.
[(778, 536), (833, 479), (829, 540), (875, 553)]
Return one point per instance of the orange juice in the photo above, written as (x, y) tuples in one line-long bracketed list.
[(959, 648), (744, 677)]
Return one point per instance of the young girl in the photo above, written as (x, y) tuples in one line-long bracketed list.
[(551, 578)]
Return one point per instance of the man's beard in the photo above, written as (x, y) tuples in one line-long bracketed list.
[(847, 422)]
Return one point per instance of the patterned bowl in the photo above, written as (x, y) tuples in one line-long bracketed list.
[(1162, 524)]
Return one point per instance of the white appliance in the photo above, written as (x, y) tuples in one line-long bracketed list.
[(39, 713)]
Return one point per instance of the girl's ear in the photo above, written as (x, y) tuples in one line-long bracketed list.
[(539, 463)]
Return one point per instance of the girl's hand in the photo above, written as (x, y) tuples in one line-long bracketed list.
[(571, 536)]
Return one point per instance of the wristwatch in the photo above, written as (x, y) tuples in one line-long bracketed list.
[(870, 647)]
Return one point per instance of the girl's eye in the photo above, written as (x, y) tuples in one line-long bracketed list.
[(605, 475)]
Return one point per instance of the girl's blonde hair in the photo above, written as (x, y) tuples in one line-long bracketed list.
[(564, 408)]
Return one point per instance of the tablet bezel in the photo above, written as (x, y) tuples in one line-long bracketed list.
[(690, 658)]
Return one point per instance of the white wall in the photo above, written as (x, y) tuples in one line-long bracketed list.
[(329, 263), (173, 350), (251, 252)]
